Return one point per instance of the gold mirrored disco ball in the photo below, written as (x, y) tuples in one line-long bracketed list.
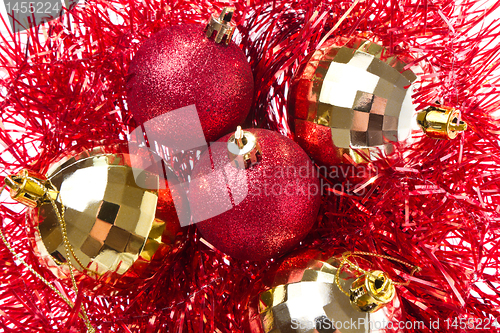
[(307, 300), (351, 94), (120, 222)]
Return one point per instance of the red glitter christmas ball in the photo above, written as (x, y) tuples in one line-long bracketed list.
[(179, 66), (261, 211)]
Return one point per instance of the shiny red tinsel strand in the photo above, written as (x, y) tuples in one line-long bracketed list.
[(435, 204)]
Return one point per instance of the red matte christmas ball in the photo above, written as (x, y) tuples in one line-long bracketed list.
[(179, 66), (254, 195)]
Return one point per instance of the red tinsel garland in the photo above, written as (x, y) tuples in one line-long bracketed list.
[(434, 204)]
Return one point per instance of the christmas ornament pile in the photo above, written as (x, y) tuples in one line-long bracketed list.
[(255, 168)]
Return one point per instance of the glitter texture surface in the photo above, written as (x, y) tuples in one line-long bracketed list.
[(178, 67), (269, 208)]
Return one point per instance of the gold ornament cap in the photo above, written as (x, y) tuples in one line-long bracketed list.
[(243, 149), (30, 188), (441, 122), (222, 25), (372, 291)]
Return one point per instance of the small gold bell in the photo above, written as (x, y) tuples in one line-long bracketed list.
[(441, 122), (222, 25), (30, 188), (370, 292), (243, 149)]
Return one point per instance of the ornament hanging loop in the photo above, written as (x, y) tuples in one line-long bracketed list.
[(222, 25), (372, 290), (30, 188), (441, 122)]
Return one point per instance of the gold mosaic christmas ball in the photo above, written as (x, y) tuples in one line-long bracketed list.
[(120, 219), (304, 297), (351, 96)]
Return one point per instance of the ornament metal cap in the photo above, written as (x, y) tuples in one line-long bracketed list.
[(441, 122), (30, 188), (371, 291), (222, 25), (243, 149)]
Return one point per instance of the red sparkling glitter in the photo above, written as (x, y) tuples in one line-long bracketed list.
[(274, 203), (434, 204), (178, 67)]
